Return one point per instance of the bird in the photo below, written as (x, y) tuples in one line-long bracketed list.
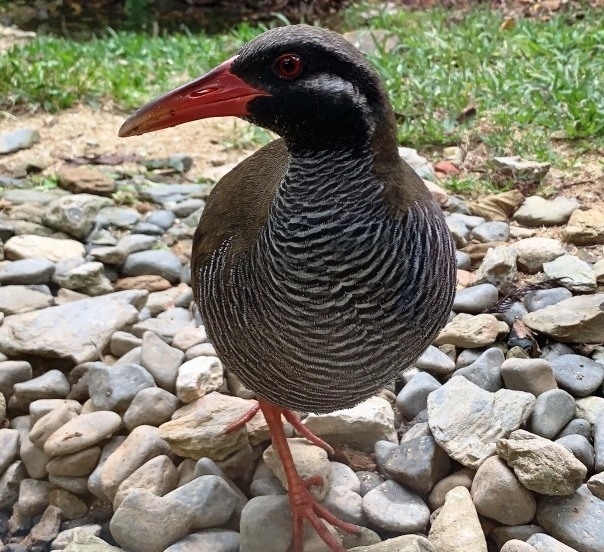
[(321, 265)]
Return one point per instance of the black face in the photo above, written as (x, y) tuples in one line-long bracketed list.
[(321, 88)]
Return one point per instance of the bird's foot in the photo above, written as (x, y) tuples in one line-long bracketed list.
[(290, 416), (304, 506)]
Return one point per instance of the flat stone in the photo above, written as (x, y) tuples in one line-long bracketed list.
[(596, 485), (497, 494), (498, 268), (534, 252), (85, 180), (77, 464), (123, 342), (75, 485), (490, 231), (573, 273), (143, 444), (82, 541), (9, 447), (517, 546), (34, 458), (21, 138), (503, 534), (359, 427), (391, 507), (576, 320), (461, 478), (88, 278), (457, 512), (468, 331), (590, 408), (50, 385), (68, 536), (553, 410), (575, 520), (50, 422), (541, 298), (41, 407), (578, 426), (537, 211), (73, 331), (82, 432), (413, 397), (71, 506), (197, 377), (135, 523), (19, 299), (541, 465), (434, 361), (73, 214), (578, 375), (210, 540), (121, 217), (369, 480), (581, 448), (467, 421), (27, 271), (404, 543), (532, 375), (9, 484), (475, 299), (151, 406), (345, 504), (598, 434), (11, 372), (93, 483), (161, 360), (485, 371), (114, 387), (158, 262), (544, 543), (585, 227)]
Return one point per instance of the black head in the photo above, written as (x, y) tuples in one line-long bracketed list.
[(307, 84)]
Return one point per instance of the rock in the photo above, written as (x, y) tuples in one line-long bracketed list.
[(274, 512), (475, 299), (27, 271), (540, 465), (517, 546), (9, 484), (498, 268), (19, 299), (457, 527), (158, 476), (596, 485), (598, 434), (574, 274), (485, 370), (417, 464), (369, 480), (71, 506), (22, 138), (461, 478), (198, 376), (158, 262), (589, 408), (86, 180), (143, 444), (73, 214), (9, 447), (434, 361), (576, 320), (534, 252), (585, 227), (161, 360), (82, 432), (404, 543), (345, 504), (79, 535), (123, 342), (50, 422), (135, 523), (498, 495), (309, 460), (470, 331), (467, 421), (88, 278), (50, 385), (537, 211), (491, 231), (553, 410), (151, 406), (211, 540), (11, 372), (73, 331), (413, 396), (210, 498), (359, 427), (190, 336), (78, 464), (578, 426), (532, 375), (574, 520), (521, 169), (391, 507), (45, 530), (33, 497), (578, 375), (581, 448), (544, 543), (200, 432), (539, 299), (114, 387), (501, 535), (121, 217)]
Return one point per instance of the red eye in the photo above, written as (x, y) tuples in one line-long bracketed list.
[(288, 66)]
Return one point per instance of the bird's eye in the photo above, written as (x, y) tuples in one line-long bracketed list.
[(288, 66)]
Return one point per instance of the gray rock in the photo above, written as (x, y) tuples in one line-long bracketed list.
[(162, 218), (159, 262), (541, 298), (206, 466), (45, 530), (590, 408), (12, 372), (344, 476), (137, 242), (148, 228), (19, 299), (34, 458), (77, 464), (461, 478), (391, 507), (533, 252), (517, 546), (161, 360), (135, 523), (467, 421), (151, 406), (485, 370), (211, 540), (75, 485), (491, 231), (544, 543), (49, 423), (532, 375), (553, 410), (9, 447), (74, 331), (434, 361), (475, 299), (369, 480), (413, 397), (596, 485), (27, 271), (112, 255), (74, 214), (186, 207), (123, 342), (521, 169), (500, 535), (537, 211), (497, 494), (88, 278), (598, 430), (22, 138), (581, 448), (463, 260), (94, 480), (575, 520), (404, 543), (71, 506), (578, 375), (9, 484), (114, 387), (51, 385), (574, 273), (345, 504), (417, 464), (165, 329), (577, 426), (39, 197), (459, 232), (33, 497), (66, 537), (576, 320), (541, 465), (122, 217), (498, 268)]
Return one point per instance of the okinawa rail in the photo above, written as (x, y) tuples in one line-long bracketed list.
[(321, 265)]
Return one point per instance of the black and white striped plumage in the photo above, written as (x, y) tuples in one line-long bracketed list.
[(321, 265)]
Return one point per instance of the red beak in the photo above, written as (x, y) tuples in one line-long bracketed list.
[(215, 94)]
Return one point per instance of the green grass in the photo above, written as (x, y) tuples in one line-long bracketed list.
[(529, 83)]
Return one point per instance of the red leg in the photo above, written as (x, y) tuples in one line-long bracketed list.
[(243, 419), (302, 503)]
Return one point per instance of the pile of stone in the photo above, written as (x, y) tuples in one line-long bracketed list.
[(115, 403)]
